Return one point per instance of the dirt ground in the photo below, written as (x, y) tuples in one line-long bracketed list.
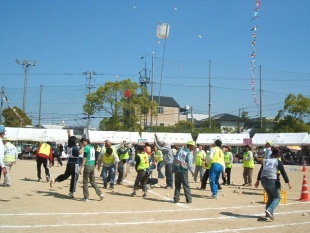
[(32, 206)]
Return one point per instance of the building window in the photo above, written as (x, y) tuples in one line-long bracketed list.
[(162, 124), (160, 109)]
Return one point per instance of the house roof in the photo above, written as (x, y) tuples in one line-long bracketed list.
[(226, 117), (165, 101)]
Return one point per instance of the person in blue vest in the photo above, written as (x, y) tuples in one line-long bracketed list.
[(142, 167), (182, 163)]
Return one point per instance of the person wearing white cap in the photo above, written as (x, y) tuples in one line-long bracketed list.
[(2, 132), (10, 156)]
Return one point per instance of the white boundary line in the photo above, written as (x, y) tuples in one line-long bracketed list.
[(159, 222)]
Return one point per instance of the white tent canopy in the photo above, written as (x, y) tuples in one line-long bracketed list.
[(281, 139), (113, 136), (306, 141), (170, 138), (227, 139), (38, 135)]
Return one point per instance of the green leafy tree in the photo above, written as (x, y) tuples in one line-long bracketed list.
[(12, 120), (124, 112), (291, 117)]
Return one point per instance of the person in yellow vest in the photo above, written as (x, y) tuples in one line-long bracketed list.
[(228, 159), (2, 133), (217, 167), (199, 160), (141, 166), (160, 162), (248, 166), (123, 154), (109, 162), (44, 154), (207, 167), (97, 152), (10, 156)]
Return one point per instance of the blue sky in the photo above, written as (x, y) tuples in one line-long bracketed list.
[(68, 38)]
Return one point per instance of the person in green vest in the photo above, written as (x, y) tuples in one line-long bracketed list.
[(10, 156), (228, 159), (248, 166), (160, 162), (88, 169), (142, 166), (199, 160)]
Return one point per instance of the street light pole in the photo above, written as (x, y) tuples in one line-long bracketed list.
[(26, 66)]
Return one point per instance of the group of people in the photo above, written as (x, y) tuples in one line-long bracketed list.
[(114, 160)]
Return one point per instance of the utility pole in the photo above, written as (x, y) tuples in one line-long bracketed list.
[(260, 98), (26, 66), (89, 77), (2, 94), (40, 106), (210, 94)]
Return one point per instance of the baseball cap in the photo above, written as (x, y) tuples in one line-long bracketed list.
[(191, 143), (269, 142)]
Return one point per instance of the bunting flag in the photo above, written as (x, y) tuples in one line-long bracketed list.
[(253, 54), (5, 98)]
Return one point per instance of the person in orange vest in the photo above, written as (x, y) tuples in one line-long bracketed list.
[(248, 166), (44, 154), (268, 176)]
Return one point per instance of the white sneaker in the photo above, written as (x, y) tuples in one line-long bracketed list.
[(124, 180), (72, 195), (101, 197), (85, 199), (47, 178), (52, 182)]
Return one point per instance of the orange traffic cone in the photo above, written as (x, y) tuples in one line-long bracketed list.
[(304, 191), (304, 168)]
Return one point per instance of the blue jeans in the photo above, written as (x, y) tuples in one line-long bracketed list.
[(273, 193), (159, 167), (215, 173), (168, 173), (111, 171)]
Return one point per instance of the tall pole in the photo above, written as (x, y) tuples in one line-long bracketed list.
[(40, 106), (26, 66), (90, 86), (210, 94), (2, 94), (260, 97), (152, 88)]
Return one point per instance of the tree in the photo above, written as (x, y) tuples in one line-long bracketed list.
[(12, 119), (291, 117), (124, 112)]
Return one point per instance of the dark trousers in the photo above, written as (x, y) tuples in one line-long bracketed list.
[(226, 180), (141, 179), (120, 171), (168, 174), (182, 179), (43, 161), (73, 171), (58, 160), (205, 179)]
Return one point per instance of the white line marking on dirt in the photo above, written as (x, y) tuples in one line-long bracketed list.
[(256, 228)]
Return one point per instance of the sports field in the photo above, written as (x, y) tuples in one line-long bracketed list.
[(32, 206)]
